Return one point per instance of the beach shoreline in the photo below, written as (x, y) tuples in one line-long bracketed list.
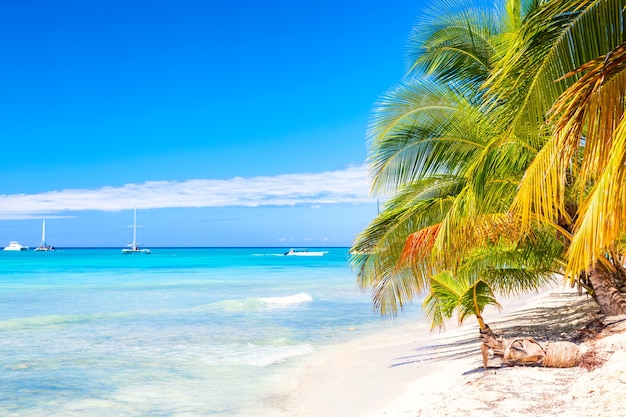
[(409, 371)]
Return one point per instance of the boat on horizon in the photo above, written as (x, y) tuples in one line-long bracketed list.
[(134, 247), (15, 247), (44, 247), (304, 252)]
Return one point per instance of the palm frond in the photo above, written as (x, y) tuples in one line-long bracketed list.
[(455, 44), (375, 251), (418, 129), (555, 39), (602, 218), (514, 266), (588, 116)]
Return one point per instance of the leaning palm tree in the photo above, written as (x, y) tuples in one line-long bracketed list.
[(524, 85), (434, 148), (453, 145)]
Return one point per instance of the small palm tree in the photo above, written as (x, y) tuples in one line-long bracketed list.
[(449, 294)]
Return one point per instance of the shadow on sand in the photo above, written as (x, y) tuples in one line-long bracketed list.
[(560, 316)]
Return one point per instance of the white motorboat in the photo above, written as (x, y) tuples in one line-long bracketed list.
[(14, 246), (304, 252), (134, 247), (44, 247)]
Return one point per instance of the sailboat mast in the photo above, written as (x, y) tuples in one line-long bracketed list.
[(134, 247), (43, 233)]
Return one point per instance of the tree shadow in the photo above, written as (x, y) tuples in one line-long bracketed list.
[(560, 317)]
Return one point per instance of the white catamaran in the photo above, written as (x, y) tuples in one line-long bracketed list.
[(134, 247), (44, 247)]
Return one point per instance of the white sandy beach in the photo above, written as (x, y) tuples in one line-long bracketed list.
[(410, 372)]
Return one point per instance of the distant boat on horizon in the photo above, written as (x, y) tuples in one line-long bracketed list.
[(134, 247), (44, 247), (15, 247)]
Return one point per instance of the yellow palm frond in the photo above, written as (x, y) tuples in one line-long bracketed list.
[(589, 116), (541, 194), (603, 214)]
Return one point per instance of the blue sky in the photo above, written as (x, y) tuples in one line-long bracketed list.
[(236, 123)]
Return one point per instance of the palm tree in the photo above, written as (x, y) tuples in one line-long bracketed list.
[(442, 128), (449, 294), (435, 150)]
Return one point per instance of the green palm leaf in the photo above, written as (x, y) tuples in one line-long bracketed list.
[(449, 293)]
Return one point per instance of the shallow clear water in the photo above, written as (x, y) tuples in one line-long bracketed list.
[(180, 332)]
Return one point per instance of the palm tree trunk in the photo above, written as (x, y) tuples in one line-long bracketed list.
[(611, 301)]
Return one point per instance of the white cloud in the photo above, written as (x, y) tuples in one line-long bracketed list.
[(349, 185)]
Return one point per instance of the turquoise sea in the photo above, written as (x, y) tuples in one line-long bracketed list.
[(181, 332)]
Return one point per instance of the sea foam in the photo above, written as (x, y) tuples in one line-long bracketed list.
[(256, 303), (288, 300)]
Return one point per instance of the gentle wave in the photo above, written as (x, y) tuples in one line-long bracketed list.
[(254, 303), (249, 304), (288, 300)]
